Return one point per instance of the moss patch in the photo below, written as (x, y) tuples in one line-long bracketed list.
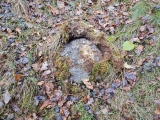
[(99, 70), (62, 66)]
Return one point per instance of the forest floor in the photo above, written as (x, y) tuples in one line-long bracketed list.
[(29, 86)]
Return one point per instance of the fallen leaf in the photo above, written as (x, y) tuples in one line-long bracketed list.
[(41, 83), (127, 45), (127, 66), (18, 77), (44, 66), (18, 30), (87, 83), (157, 102), (157, 111), (58, 93), (140, 62), (39, 53), (2, 83), (49, 88), (158, 78), (130, 76), (135, 40), (126, 88), (99, 12), (90, 101), (60, 4), (79, 12), (36, 67), (142, 28), (45, 104), (85, 99), (125, 13), (150, 29), (47, 72), (61, 100), (6, 97), (9, 30), (139, 49)]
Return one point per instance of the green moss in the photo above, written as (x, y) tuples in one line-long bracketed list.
[(74, 89), (79, 107), (62, 65), (99, 69), (64, 34), (110, 38)]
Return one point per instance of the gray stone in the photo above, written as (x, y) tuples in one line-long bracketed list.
[(82, 54)]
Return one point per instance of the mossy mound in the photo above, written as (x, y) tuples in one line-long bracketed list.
[(111, 56)]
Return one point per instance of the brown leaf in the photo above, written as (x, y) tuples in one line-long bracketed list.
[(135, 40), (87, 83), (142, 28), (157, 111), (85, 99), (150, 29), (36, 67), (41, 83), (2, 83), (139, 49), (106, 18), (99, 12), (127, 88), (49, 89), (18, 30), (44, 66), (158, 78), (47, 72), (61, 101), (18, 77), (45, 104), (9, 30), (140, 62), (125, 13), (39, 53)]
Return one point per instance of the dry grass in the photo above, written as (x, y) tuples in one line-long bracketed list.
[(19, 7)]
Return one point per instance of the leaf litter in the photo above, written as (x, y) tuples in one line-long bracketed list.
[(51, 92)]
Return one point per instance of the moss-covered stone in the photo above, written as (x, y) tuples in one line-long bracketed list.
[(80, 29)]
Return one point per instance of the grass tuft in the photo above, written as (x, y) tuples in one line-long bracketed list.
[(140, 9)]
